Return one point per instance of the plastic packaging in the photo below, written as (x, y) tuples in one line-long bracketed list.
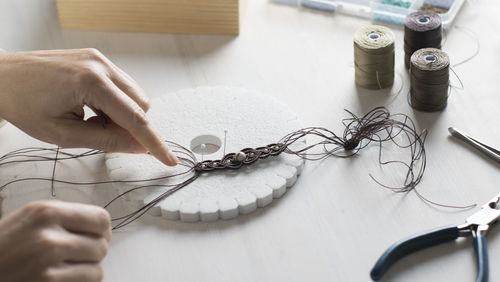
[(385, 11)]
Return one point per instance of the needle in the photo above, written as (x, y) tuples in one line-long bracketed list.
[(225, 136)]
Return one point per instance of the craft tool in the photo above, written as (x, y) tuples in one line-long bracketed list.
[(476, 225), (485, 149)]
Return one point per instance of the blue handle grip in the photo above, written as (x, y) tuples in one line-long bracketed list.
[(410, 245), (481, 258)]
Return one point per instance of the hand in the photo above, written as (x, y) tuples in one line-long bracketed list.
[(44, 92), (54, 241)]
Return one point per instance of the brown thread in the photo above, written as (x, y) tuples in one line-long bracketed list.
[(429, 79), (422, 30), (377, 126)]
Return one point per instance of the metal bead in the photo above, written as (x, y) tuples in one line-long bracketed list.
[(240, 156)]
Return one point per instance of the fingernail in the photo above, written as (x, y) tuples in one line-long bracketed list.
[(137, 148), (172, 159)]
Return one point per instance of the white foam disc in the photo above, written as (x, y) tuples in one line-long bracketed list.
[(210, 115)]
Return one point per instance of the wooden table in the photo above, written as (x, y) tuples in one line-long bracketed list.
[(335, 222)]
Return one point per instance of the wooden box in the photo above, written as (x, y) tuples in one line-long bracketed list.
[(176, 16)]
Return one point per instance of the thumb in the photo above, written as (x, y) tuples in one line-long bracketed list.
[(91, 134)]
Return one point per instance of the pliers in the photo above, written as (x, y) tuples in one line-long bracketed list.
[(476, 225)]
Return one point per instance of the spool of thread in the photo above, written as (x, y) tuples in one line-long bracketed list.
[(374, 57), (429, 78), (422, 30)]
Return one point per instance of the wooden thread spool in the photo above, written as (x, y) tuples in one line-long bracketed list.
[(374, 57), (429, 78)]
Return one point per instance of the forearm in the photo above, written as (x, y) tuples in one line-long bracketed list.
[(2, 94)]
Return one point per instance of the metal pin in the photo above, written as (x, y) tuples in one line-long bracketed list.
[(224, 151), (485, 149), (203, 147)]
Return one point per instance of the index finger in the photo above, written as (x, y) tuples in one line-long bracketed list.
[(129, 115)]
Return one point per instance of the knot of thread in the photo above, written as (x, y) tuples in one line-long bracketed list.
[(246, 156), (351, 144)]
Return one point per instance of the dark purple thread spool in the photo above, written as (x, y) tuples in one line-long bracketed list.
[(422, 30)]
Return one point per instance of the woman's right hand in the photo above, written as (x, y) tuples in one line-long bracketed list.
[(44, 94), (54, 241)]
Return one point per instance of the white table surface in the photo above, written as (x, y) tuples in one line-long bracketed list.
[(335, 222)]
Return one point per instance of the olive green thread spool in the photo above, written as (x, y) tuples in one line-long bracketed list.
[(429, 80), (374, 57)]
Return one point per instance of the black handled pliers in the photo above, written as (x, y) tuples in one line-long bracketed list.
[(476, 225)]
